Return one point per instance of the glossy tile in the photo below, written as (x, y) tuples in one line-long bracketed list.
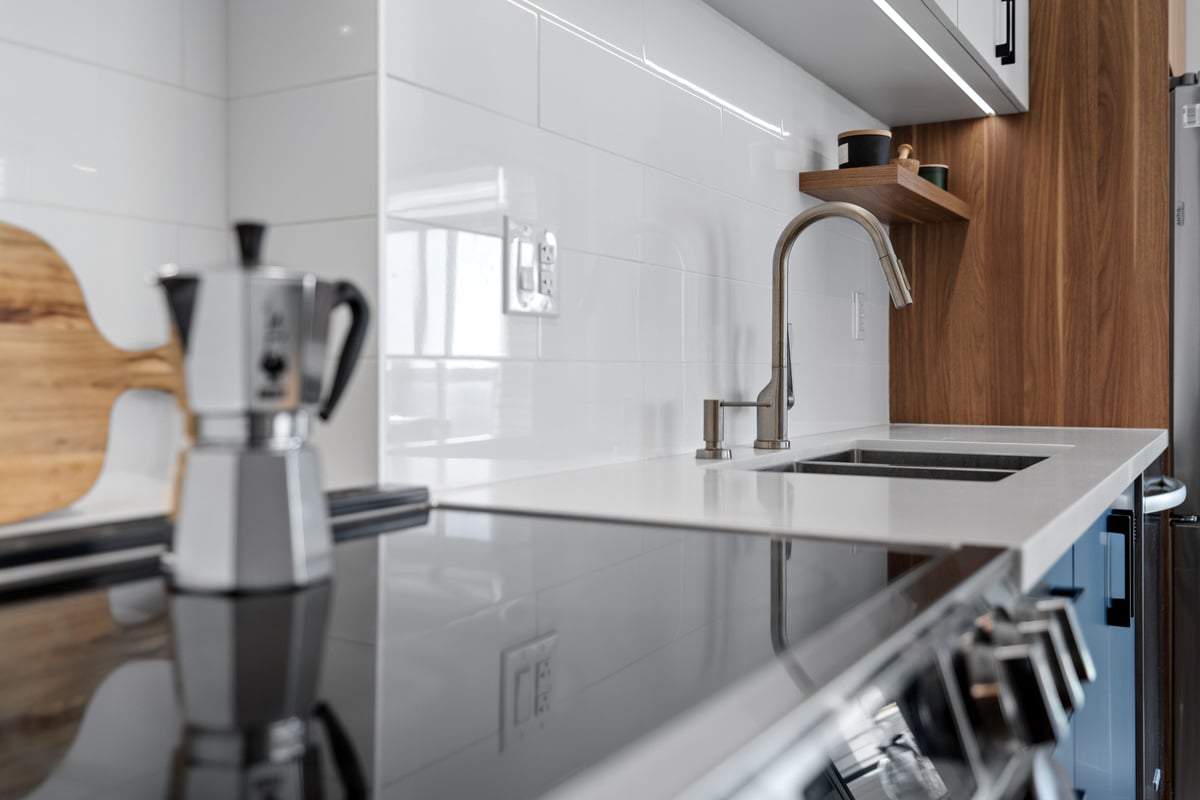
[(444, 290), (338, 250), (692, 40), (204, 246), (459, 421), (136, 36), (592, 94), (595, 296), (205, 50), (660, 314), (484, 52), (758, 166), (617, 22), (611, 100), (452, 164), (201, 191), (666, 139), (304, 155), (667, 420), (726, 321), (683, 132), (278, 44), (109, 142), (349, 442), (699, 229)]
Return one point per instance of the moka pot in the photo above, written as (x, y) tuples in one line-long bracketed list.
[(252, 511)]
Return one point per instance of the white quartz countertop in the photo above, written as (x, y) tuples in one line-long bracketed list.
[(1038, 511)]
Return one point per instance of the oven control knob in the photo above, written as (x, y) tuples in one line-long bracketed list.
[(1062, 668), (1063, 610), (1009, 684), (1026, 669), (991, 702)]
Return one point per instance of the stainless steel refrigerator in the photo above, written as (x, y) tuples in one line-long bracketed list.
[(1185, 432)]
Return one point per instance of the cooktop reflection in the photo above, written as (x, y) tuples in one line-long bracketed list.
[(478, 654)]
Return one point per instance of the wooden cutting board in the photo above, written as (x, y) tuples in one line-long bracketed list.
[(59, 378)]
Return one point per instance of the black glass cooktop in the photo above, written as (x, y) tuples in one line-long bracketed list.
[(461, 654)]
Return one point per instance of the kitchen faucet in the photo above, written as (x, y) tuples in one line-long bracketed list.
[(776, 397)]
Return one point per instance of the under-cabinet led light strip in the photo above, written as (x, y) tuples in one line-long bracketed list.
[(920, 42)]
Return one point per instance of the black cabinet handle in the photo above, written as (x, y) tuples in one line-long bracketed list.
[(1118, 611), (1007, 52)]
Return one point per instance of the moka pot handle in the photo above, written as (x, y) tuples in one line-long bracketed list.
[(349, 295)]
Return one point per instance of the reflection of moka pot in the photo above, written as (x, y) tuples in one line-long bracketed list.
[(251, 509)]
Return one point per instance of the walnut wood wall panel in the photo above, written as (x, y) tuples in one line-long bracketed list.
[(1050, 307)]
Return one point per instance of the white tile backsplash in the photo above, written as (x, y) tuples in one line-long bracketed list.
[(110, 142), (481, 51), (349, 441), (590, 288), (450, 163), (664, 155), (658, 141), (141, 37), (283, 44), (443, 290), (304, 155), (205, 51)]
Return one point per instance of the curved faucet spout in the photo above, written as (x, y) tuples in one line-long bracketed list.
[(773, 400)]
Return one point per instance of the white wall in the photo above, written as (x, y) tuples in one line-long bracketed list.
[(112, 148), (612, 123)]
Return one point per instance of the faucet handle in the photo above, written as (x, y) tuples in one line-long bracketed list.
[(791, 395)]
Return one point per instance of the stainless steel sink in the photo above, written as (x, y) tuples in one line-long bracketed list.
[(913, 464)]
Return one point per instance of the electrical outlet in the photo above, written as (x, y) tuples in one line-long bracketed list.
[(526, 688), (858, 310), (530, 269)]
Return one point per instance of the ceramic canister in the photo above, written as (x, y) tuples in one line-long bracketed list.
[(863, 148)]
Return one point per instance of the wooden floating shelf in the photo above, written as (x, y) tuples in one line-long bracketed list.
[(890, 192)]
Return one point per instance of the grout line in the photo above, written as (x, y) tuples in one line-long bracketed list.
[(105, 213), (326, 221), (107, 68), (302, 86)]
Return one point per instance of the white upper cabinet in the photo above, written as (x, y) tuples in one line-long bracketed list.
[(904, 61), (998, 32)]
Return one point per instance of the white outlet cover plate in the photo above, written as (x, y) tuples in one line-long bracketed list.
[(530, 270)]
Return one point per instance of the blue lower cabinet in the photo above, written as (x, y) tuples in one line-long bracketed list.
[(1100, 751)]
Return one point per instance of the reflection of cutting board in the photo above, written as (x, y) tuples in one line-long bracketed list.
[(59, 378)]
